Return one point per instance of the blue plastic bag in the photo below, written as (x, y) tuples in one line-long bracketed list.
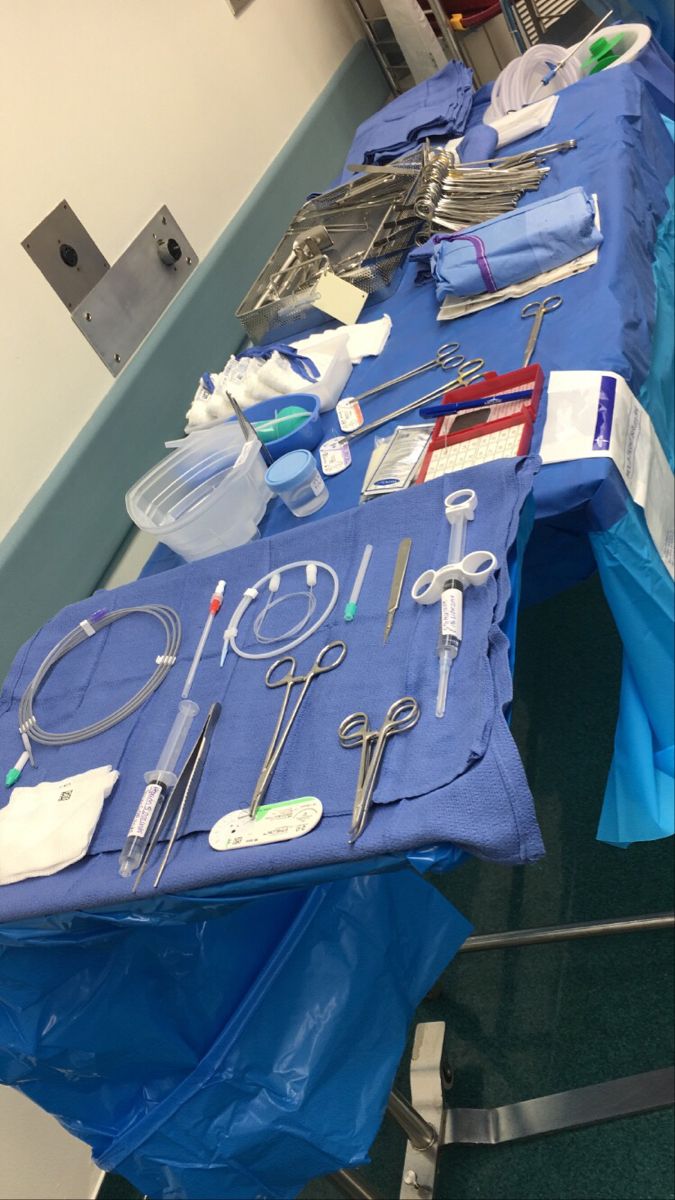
[(214, 1048)]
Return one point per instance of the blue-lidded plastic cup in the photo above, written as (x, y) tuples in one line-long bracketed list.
[(296, 479)]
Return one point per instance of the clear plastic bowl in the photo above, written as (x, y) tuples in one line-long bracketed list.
[(208, 495)]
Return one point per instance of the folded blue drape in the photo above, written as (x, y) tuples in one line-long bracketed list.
[(508, 249), (438, 107)]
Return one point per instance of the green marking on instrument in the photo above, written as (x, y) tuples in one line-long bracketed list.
[(265, 808)]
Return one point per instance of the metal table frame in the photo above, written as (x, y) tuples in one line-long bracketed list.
[(430, 1124), (378, 44)]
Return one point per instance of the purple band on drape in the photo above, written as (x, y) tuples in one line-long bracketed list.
[(481, 257)]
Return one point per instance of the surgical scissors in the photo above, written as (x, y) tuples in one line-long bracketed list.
[(538, 310), (288, 681), (355, 730), (466, 373), (443, 358)]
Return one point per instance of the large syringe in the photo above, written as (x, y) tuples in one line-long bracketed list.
[(158, 784), (448, 584)]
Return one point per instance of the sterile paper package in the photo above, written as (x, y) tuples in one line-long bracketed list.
[(594, 414)]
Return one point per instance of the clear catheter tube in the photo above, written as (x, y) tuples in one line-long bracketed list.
[(273, 600), (158, 783), (230, 635), (520, 82), (198, 654)]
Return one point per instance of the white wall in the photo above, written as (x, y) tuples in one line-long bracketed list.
[(119, 107), (38, 1159)]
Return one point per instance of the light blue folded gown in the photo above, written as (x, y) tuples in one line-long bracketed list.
[(514, 247)]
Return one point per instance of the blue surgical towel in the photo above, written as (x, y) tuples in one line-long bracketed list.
[(513, 247), (479, 143), (458, 780), (437, 108)]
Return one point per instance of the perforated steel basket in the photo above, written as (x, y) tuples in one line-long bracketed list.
[(370, 237)]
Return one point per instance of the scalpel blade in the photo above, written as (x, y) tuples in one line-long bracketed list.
[(397, 584)]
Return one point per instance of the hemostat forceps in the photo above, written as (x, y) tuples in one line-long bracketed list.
[(466, 373), (287, 681), (445, 358), (355, 730)]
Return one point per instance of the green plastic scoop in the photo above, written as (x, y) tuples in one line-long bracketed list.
[(286, 421)]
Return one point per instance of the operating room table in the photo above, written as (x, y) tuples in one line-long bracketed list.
[(573, 505)]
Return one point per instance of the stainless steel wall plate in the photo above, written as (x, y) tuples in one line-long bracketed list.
[(68, 257), (121, 309)]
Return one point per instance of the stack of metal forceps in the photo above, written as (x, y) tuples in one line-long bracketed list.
[(355, 730), (454, 195)]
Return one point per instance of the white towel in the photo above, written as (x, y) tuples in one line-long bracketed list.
[(47, 827)]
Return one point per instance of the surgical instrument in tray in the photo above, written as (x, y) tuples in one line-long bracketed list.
[(178, 803), (453, 195), (468, 371), (158, 783), (391, 168), (30, 730), (448, 585), (372, 225), (215, 605), (355, 730), (350, 607), (538, 310), (400, 567), (445, 358), (288, 681)]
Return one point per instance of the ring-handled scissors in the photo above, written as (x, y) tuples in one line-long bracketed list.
[(445, 358), (467, 372), (356, 730), (288, 680), (538, 310)]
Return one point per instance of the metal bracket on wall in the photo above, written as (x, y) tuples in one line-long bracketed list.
[(68, 257), (115, 306)]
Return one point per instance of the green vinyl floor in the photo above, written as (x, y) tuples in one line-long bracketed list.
[(525, 1022)]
